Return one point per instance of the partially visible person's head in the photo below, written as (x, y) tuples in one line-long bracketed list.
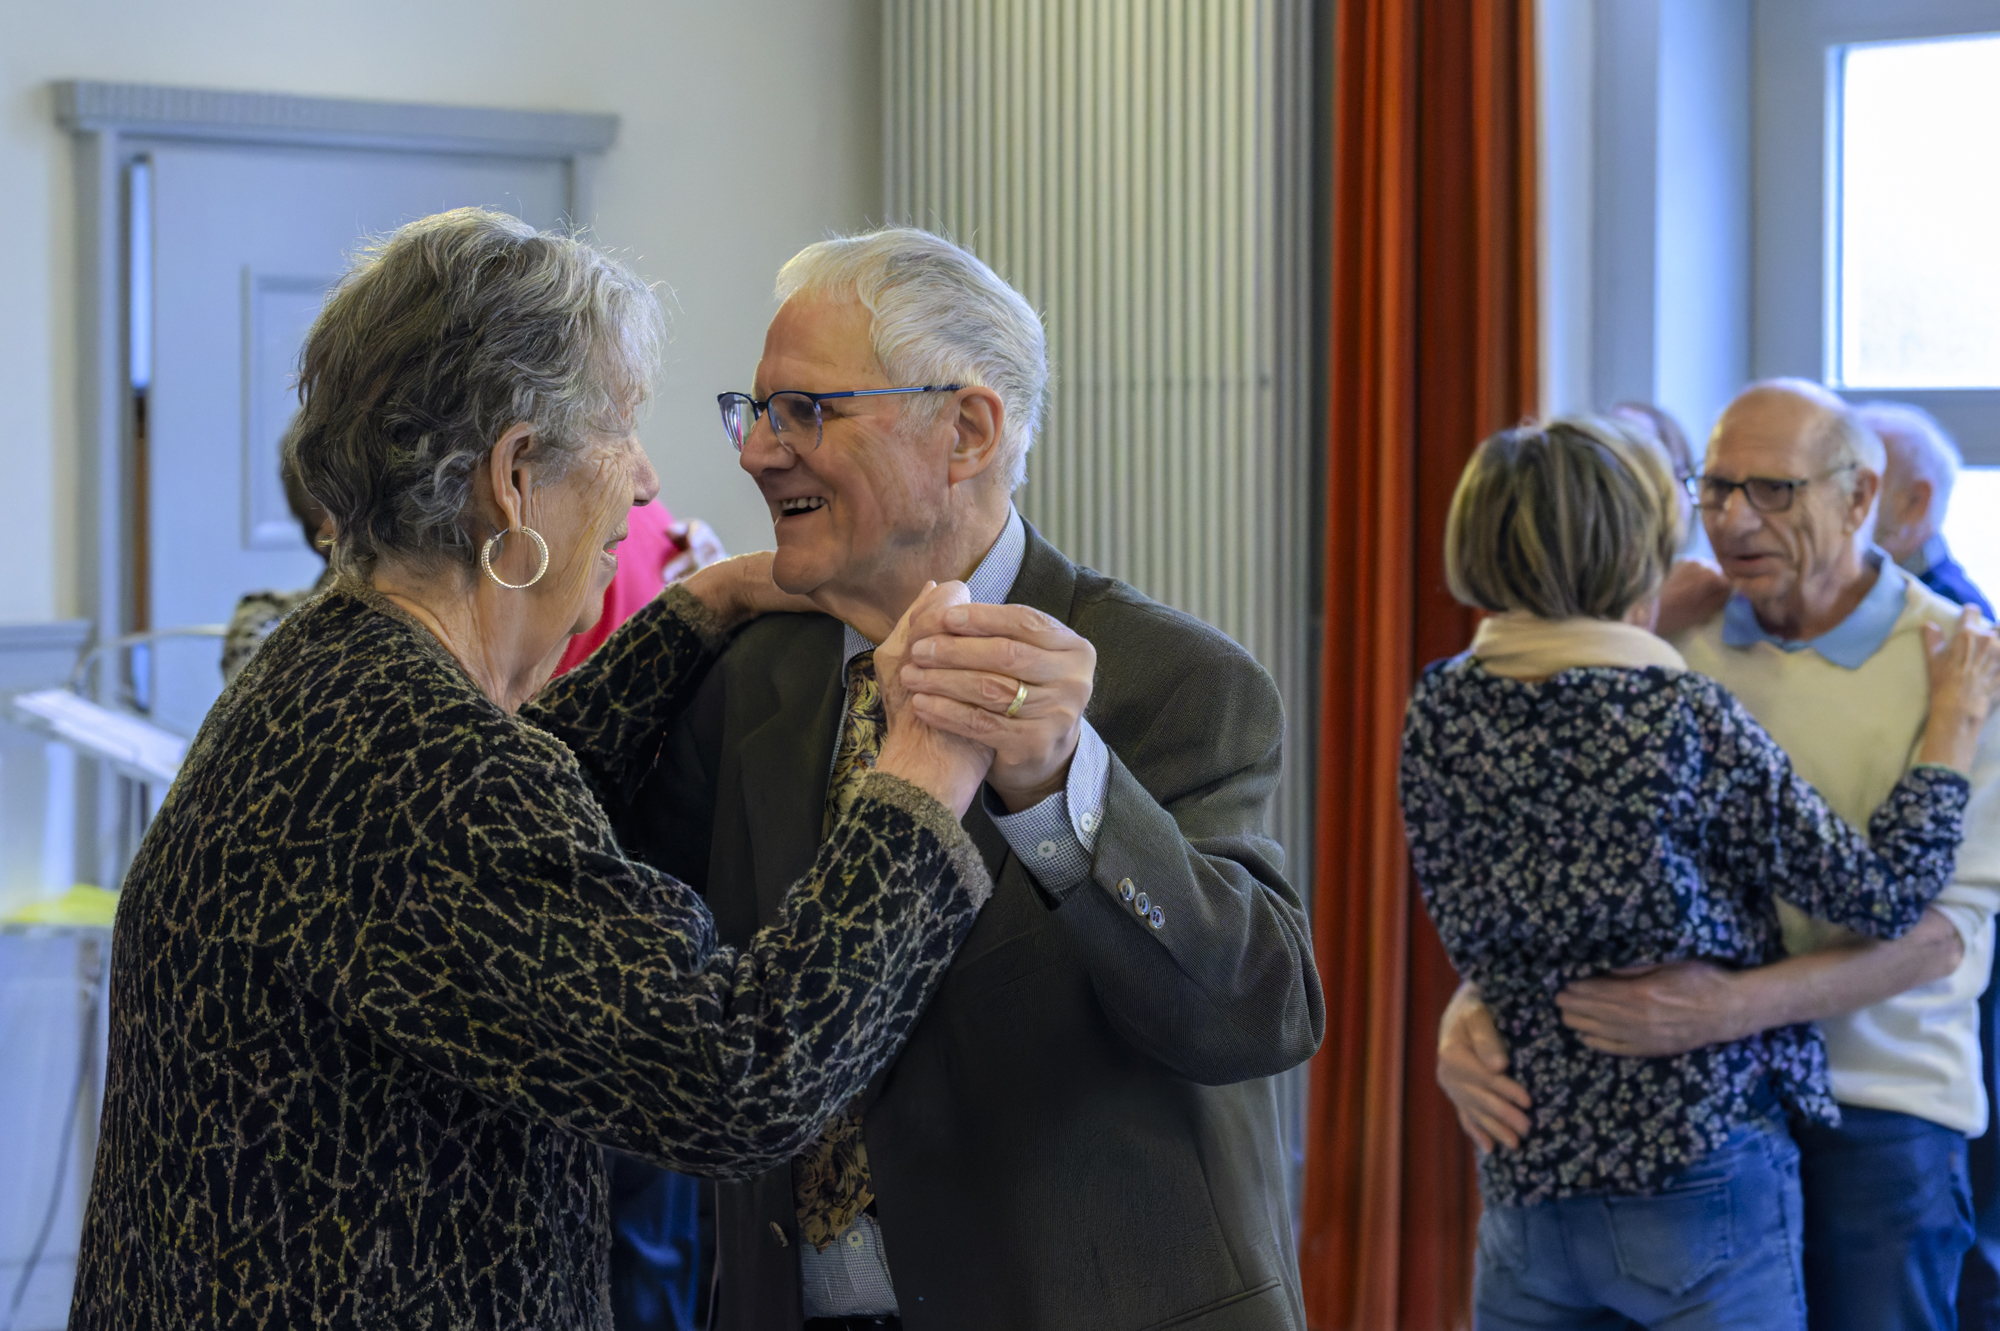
[(311, 515), (1787, 490), (1658, 428), (1922, 466), (1654, 423), (890, 476), (1573, 518), (471, 376)]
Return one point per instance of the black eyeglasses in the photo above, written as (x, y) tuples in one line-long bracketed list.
[(795, 415), (1765, 494)]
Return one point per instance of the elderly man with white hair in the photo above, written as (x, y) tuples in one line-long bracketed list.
[(1922, 467), (1082, 1131), (1821, 638)]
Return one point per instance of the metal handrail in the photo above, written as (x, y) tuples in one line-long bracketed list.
[(138, 639)]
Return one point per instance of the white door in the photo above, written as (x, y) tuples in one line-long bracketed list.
[(245, 242)]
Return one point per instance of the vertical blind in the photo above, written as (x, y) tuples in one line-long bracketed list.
[(1141, 171)]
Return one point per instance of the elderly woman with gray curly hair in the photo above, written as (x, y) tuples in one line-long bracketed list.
[(383, 980)]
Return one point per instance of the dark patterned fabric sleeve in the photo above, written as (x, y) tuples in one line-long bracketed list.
[(614, 707), (1790, 842), (518, 954)]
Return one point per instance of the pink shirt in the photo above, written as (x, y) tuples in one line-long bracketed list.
[(642, 563)]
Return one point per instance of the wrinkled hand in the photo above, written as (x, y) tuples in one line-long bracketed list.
[(946, 764), (1472, 1071), (966, 668), (700, 548), (1652, 1011), (1693, 593), (740, 588), (1964, 671)]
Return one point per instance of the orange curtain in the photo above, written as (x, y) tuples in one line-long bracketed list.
[(1432, 346)]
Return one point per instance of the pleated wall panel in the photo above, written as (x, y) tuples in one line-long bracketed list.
[(1140, 170)]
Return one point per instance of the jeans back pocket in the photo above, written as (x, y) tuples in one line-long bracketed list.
[(1672, 1240), (1503, 1237)]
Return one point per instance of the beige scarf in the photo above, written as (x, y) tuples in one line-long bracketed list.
[(1521, 646)]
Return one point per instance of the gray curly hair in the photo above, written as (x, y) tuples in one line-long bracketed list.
[(439, 339)]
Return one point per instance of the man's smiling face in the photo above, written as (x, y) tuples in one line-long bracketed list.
[(871, 493)]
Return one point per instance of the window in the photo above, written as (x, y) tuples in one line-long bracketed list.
[(1875, 255), (1917, 263)]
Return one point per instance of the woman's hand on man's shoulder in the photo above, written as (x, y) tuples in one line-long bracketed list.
[(740, 588)]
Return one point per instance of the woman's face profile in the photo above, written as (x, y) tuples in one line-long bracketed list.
[(583, 516)]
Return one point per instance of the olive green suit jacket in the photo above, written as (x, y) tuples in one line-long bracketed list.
[(1082, 1131)]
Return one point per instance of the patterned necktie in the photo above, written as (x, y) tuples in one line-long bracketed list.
[(830, 1178)]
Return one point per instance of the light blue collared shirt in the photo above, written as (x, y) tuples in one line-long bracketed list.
[(1054, 839), (1847, 644)]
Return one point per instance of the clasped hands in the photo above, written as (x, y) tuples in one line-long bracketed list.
[(1000, 690), (1007, 677)]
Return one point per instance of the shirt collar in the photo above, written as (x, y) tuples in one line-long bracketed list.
[(1847, 644), (1926, 556), (989, 583)]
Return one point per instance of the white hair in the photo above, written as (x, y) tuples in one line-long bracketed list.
[(937, 315), (1848, 440), (1927, 449)]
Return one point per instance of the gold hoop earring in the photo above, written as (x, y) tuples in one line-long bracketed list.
[(486, 558)]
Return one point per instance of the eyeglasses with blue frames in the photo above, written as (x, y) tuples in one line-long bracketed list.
[(795, 415)]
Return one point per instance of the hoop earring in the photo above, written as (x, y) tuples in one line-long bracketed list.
[(486, 558)]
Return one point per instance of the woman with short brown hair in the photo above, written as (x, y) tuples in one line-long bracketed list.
[(1578, 802)]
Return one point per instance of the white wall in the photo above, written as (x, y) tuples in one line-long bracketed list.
[(717, 100), (1646, 209), (1702, 288), (1565, 86)]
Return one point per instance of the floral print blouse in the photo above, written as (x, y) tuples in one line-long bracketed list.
[(1604, 818)]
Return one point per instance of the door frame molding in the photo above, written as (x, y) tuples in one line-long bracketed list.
[(112, 123)]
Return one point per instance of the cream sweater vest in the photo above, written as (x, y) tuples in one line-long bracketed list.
[(1852, 733)]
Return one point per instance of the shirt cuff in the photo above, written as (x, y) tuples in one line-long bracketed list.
[(1055, 838)]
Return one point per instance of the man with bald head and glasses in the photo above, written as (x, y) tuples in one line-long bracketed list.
[(1082, 1131), (1820, 636)]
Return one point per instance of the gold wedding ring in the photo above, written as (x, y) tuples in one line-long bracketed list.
[(1020, 696)]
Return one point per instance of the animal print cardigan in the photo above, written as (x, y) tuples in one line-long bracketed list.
[(382, 984)]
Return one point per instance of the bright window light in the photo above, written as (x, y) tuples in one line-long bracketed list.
[(1972, 527), (1919, 195)]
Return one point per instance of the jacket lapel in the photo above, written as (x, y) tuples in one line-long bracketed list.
[(785, 759), (1047, 580)]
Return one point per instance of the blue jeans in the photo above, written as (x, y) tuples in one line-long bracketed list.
[(1979, 1279), (1718, 1247), (1888, 1220)]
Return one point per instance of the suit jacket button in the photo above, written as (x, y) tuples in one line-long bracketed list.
[(1125, 888), (1157, 919), (1142, 905), (778, 1234)]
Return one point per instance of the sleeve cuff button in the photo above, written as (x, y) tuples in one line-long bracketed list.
[(1142, 905), (1125, 888), (1157, 919), (1047, 850)]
